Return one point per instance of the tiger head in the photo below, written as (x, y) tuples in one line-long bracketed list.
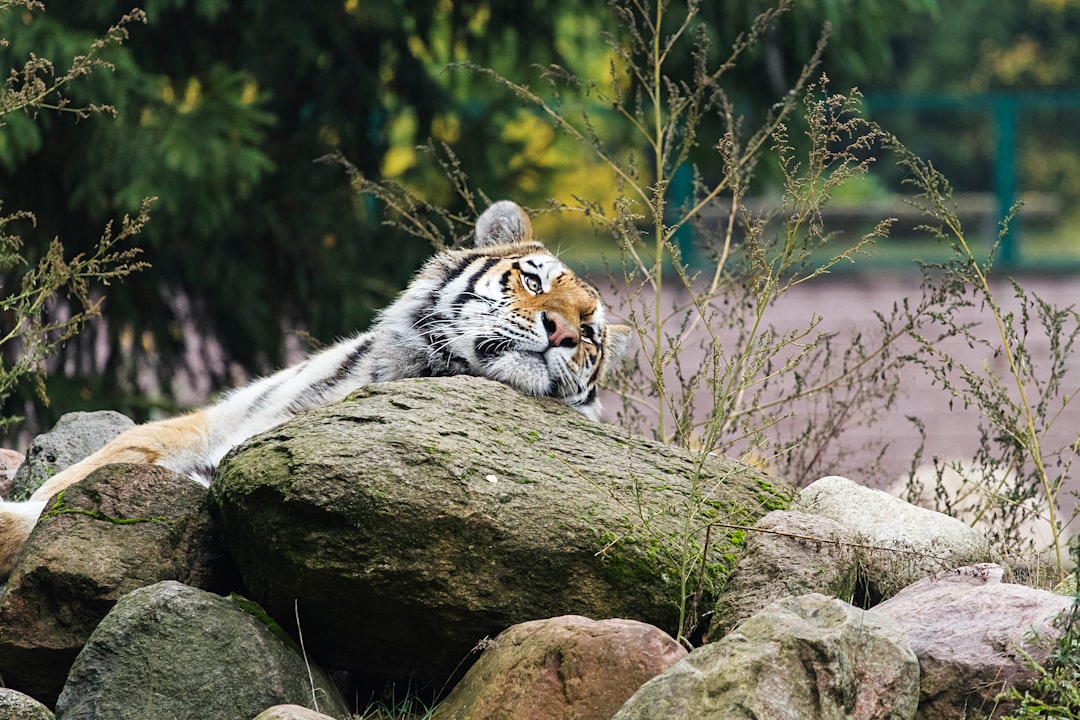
[(511, 311)]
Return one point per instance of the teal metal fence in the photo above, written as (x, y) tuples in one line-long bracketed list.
[(1005, 110)]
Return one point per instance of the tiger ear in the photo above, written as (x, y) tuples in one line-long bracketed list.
[(618, 341), (503, 223)]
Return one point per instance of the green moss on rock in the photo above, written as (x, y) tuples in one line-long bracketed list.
[(471, 510)]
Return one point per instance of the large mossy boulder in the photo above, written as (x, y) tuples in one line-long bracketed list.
[(409, 522)]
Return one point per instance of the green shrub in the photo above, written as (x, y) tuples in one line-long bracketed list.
[(33, 325)]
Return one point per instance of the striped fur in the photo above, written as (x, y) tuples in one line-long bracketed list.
[(507, 310)]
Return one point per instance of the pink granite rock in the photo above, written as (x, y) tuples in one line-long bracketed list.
[(970, 632), (565, 668)]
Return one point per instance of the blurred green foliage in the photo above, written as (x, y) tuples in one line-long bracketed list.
[(991, 46), (221, 112), (223, 108)]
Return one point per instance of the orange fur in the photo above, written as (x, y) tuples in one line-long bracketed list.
[(14, 529), (141, 444)]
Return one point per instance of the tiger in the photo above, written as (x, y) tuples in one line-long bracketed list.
[(507, 310)]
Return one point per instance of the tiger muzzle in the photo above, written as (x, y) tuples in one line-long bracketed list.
[(559, 332)]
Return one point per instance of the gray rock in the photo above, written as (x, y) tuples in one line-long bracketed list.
[(122, 527), (788, 554), (986, 500), (971, 632), (899, 542), (16, 706), (565, 667), (804, 658), (290, 712), (1068, 586), (172, 651), (441, 511), (75, 435)]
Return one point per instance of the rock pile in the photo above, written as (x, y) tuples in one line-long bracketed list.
[(390, 537)]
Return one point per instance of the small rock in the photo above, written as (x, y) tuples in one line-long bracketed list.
[(804, 658), (75, 436), (901, 543), (291, 712), (787, 554), (169, 650), (982, 498), (9, 465), (971, 632), (568, 667), (16, 706)]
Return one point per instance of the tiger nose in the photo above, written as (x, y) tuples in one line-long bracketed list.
[(559, 333)]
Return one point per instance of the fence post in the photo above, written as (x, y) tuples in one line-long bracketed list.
[(1005, 174), (680, 195)]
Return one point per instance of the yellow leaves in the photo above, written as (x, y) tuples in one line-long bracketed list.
[(578, 173), (1025, 61), (418, 48), (250, 92), (351, 6), (1010, 63), (192, 93), (480, 19), (583, 178), (576, 38), (461, 51), (535, 137), (398, 160), (402, 154), (446, 128)]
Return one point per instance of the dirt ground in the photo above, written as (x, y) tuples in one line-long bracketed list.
[(847, 304)]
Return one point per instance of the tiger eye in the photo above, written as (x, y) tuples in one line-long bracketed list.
[(532, 283)]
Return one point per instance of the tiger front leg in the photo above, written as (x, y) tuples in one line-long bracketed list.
[(17, 519)]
